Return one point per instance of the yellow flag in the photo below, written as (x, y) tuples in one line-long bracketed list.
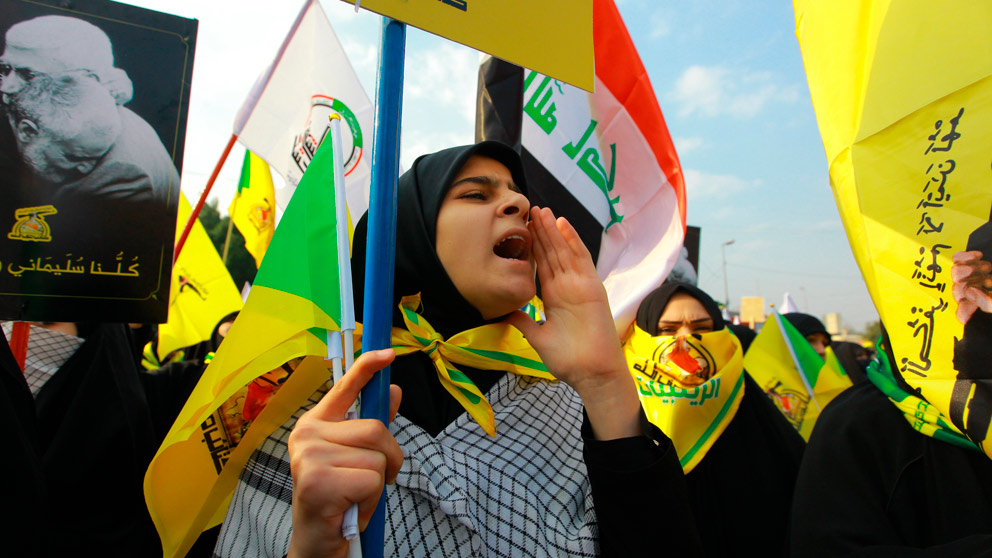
[(253, 209), (202, 290), (903, 98), (790, 372), (242, 396)]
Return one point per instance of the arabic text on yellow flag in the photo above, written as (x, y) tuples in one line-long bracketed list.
[(295, 301), (253, 208), (788, 370), (202, 290), (903, 98)]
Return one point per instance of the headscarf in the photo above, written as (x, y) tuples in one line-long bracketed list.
[(692, 410), (806, 325), (745, 334), (848, 356), (420, 193)]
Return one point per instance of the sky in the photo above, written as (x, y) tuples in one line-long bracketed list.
[(727, 74)]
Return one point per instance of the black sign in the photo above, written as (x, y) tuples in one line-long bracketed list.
[(93, 104)]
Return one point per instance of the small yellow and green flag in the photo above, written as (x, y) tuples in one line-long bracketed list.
[(253, 209), (295, 301), (202, 290), (791, 374)]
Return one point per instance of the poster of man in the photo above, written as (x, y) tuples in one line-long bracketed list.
[(93, 102)]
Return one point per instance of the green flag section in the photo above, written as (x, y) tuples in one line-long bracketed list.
[(253, 209), (202, 290), (293, 303), (789, 371)]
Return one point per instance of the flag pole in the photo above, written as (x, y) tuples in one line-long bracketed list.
[(227, 239), (346, 351), (203, 197), (381, 251)]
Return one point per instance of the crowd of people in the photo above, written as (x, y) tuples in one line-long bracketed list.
[(657, 442)]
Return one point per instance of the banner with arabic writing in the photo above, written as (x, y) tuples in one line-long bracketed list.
[(903, 97), (94, 103)]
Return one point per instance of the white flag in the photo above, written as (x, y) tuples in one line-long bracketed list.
[(285, 116), (788, 305)]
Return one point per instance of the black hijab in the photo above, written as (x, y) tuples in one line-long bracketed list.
[(420, 193), (744, 484), (806, 325), (654, 304), (847, 354)]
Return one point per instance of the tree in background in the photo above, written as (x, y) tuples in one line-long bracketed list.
[(873, 330), (239, 263)]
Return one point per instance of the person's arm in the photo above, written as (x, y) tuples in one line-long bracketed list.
[(632, 478), (631, 464)]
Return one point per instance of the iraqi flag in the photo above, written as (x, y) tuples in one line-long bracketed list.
[(603, 160)]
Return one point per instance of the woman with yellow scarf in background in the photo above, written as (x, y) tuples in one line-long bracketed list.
[(739, 454)]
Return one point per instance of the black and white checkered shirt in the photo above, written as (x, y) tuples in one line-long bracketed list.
[(523, 493), (47, 351)]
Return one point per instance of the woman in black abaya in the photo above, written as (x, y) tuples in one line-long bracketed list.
[(88, 433), (739, 453)]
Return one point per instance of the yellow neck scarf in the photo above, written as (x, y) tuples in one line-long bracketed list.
[(691, 396), (489, 347)]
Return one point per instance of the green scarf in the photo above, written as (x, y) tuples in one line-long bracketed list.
[(922, 416)]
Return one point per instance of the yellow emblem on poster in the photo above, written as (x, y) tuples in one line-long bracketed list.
[(31, 225), (553, 37), (903, 97)]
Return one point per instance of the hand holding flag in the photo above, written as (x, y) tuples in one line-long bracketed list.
[(337, 463), (295, 302)]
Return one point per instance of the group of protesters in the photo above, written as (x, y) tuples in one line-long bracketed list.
[(549, 446), (574, 465)]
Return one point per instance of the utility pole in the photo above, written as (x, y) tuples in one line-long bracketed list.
[(726, 292)]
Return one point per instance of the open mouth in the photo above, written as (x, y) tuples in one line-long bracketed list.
[(513, 247)]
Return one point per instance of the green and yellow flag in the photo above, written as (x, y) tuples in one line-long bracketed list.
[(253, 209), (202, 290), (789, 371), (243, 394), (903, 98)]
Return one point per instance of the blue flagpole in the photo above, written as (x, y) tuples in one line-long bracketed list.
[(381, 245)]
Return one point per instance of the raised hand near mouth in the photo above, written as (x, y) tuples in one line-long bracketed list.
[(578, 342)]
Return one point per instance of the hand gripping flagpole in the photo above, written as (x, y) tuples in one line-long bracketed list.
[(381, 244)]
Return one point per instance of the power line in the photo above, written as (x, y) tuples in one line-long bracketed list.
[(790, 272)]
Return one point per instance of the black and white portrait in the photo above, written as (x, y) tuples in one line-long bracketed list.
[(93, 117)]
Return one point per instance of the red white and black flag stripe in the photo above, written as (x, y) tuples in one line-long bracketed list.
[(603, 160)]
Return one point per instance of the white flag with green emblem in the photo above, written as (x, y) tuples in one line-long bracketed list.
[(285, 116)]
